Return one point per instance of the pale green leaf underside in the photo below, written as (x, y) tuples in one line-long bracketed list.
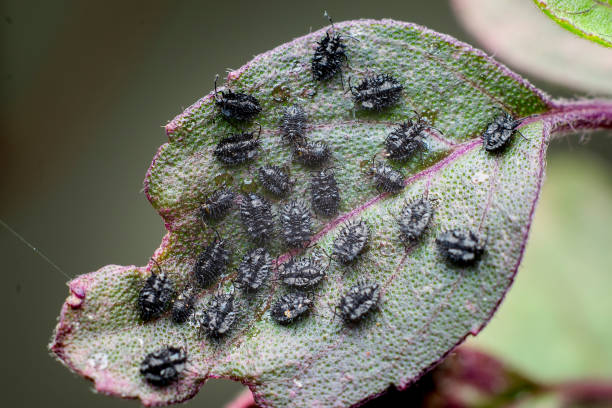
[(590, 19), (427, 306)]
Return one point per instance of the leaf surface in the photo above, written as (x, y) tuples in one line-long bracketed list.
[(427, 306), (591, 19)]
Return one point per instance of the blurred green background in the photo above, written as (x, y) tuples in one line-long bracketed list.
[(86, 89)]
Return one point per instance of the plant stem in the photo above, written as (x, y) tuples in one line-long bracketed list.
[(575, 116)]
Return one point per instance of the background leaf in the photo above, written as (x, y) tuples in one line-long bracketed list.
[(562, 307), (590, 19), (557, 56), (428, 306)]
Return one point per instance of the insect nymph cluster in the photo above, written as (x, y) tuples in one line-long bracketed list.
[(276, 214)]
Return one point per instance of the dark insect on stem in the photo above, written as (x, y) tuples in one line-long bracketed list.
[(256, 215), (324, 193), (182, 307), (311, 153), (219, 315), (238, 148), (218, 203), (376, 92), (498, 133), (236, 105), (302, 273), (351, 241), (164, 366), (290, 307), (358, 301), (386, 178), (461, 247), (275, 180), (212, 262), (156, 295), (296, 223), (254, 269), (293, 124), (407, 139), (329, 55), (414, 218)]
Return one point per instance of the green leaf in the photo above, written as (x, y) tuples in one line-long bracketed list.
[(427, 306), (553, 57), (591, 19)]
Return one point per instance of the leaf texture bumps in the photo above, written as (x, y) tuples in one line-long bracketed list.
[(425, 305)]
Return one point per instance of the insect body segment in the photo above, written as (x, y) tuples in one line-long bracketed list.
[(155, 296), (329, 56), (218, 204), (219, 315), (377, 92), (293, 124), (405, 140), (212, 262), (498, 133), (312, 153), (237, 148), (358, 301), (236, 105), (414, 218), (296, 223), (386, 178), (254, 269), (183, 306), (462, 247), (302, 273), (290, 307), (275, 180), (324, 192), (256, 215), (351, 241), (163, 367)]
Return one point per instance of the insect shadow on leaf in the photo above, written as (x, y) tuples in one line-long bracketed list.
[(236, 106)]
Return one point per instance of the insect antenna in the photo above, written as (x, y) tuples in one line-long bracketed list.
[(216, 91), (33, 248), (259, 133), (158, 265)]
